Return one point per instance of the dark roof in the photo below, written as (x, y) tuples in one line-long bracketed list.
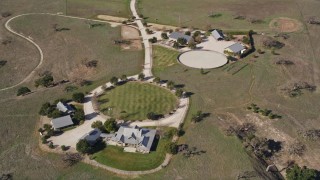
[(177, 35), (236, 47), (92, 136), (62, 122), (217, 34)]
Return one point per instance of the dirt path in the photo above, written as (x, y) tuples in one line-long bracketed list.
[(41, 59)]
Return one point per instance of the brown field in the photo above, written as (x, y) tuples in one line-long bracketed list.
[(223, 95), (131, 34), (285, 25)]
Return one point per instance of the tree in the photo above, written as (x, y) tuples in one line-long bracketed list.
[(164, 35), (182, 41), (46, 81), (188, 33), (55, 113), (156, 80), (179, 93), (78, 115), (172, 148), (176, 45), (192, 44), (141, 76), (298, 173), (153, 40), (197, 117), (23, 91), (152, 116), (46, 109), (78, 97), (110, 125), (71, 158), (170, 85), (98, 125), (83, 146), (114, 80), (64, 148), (124, 77)]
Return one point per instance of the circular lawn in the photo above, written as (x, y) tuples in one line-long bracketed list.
[(134, 100)]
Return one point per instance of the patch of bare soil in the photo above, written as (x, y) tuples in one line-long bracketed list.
[(284, 24), (112, 18), (131, 34)]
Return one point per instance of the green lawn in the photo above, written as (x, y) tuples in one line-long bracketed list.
[(133, 100), (92, 8), (163, 58), (115, 157)]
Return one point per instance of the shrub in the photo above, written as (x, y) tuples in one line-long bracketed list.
[(296, 172), (83, 146), (171, 148), (182, 41), (110, 125), (179, 93), (153, 40), (141, 76), (164, 35), (2, 62), (46, 81), (51, 146), (78, 97), (70, 88), (64, 148), (23, 91), (114, 80), (152, 116)]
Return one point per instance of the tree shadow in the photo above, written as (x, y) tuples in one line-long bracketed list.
[(98, 146), (188, 94), (91, 115), (179, 86)]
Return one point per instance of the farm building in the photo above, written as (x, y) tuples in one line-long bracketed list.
[(218, 35), (64, 107), (236, 48), (61, 122), (176, 35)]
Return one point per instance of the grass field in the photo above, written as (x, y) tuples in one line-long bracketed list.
[(92, 8), (220, 93), (115, 157), (64, 52), (133, 101), (164, 58), (191, 13)]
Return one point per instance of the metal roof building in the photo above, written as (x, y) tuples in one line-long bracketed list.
[(217, 35), (61, 122), (177, 35), (236, 48)]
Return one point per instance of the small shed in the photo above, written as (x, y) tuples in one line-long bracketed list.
[(218, 35), (64, 107)]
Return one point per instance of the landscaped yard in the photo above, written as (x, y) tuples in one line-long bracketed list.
[(134, 100), (115, 157), (163, 58)]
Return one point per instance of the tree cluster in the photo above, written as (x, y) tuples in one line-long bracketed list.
[(110, 125), (264, 112), (272, 43), (297, 173), (314, 20), (311, 134), (295, 89), (71, 159), (50, 110), (78, 97), (45, 81)]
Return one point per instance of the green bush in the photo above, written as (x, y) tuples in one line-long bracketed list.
[(78, 97), (83, 146), (23, 91)]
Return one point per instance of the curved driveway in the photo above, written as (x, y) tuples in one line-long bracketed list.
[(35, 44)]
